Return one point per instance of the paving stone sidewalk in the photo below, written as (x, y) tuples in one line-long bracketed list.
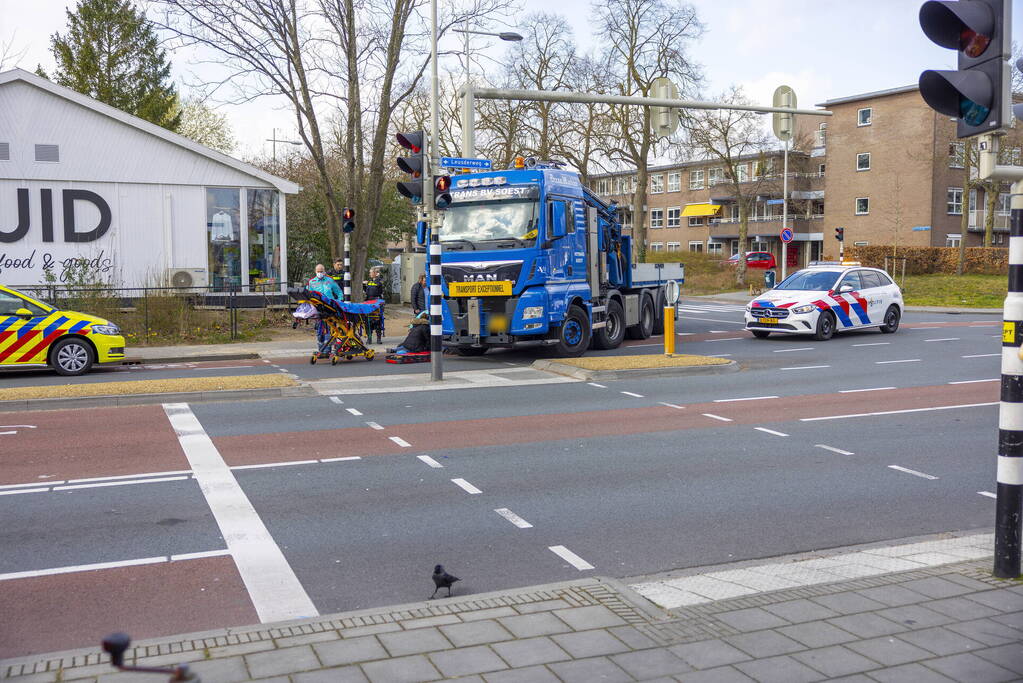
[(949, 622)]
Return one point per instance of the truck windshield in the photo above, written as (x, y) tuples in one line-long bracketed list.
[(490, 225), (815, 280)]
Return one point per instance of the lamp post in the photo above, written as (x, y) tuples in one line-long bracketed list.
[(274, 139), (468, 114)]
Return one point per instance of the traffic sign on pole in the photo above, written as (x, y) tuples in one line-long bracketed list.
[(786, 235), (457, 162)]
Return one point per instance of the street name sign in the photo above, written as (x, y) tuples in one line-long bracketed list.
[(457, 162)]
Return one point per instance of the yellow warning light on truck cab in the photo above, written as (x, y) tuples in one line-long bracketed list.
[(520, 162)]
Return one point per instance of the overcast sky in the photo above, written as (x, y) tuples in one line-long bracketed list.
[(823, 49)]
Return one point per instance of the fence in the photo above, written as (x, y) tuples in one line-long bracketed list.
[(160, 314)]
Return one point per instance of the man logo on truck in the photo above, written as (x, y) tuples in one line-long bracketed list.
[(480, 277)]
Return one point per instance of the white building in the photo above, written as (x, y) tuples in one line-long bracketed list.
[(141, 205)]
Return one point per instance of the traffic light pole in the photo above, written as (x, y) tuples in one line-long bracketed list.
[(434, 216), (348, 268)]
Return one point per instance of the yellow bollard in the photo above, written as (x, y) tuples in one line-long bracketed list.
[(669, 330)]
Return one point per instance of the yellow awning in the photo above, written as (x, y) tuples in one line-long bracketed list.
[(701, 210)]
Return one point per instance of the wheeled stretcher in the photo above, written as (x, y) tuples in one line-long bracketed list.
[(346, 323)]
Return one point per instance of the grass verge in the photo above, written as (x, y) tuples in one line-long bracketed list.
[(148, 386), (640, 361), (960, 291)]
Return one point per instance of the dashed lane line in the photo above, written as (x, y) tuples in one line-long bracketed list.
[(430, 461), (833, 449), (265, 465), (905, 360), (974, 381), (71, 487), (354, 411), (160, 559), (373, 425), (981, 355), (874, 344), (466, 486), (599, 386), (747, 398), (987, 494), (717, 417), (802, 348), (400, 441), (856, 391), (672, 405), (629, 393), (915, 473), (770, 431), (943, 339), (513, 518), (720, 355), (897, 412), (570, 557), (349, 457), (807, 367), (728, 339), (337, 400)]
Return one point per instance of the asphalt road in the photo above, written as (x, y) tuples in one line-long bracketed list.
[(351, 500)]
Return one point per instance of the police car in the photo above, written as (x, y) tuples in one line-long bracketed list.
[(33, 333), (827, 298)]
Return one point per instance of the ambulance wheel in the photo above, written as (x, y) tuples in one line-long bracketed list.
[(370, 353), (71, 357), (891, 319), (761, 334), (574, 334), (825, 326), (333, 359), (645, 327), (312, 359), (611, 335), (348, 357), (470, 350)]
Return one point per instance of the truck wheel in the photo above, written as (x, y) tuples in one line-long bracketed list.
[(825, 326), (71, 357), (658, 327), (611, 335), (574, 334), (645, 327), (471, 350)]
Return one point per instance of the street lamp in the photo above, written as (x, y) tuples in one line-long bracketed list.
[(274, 139), (468, 115)]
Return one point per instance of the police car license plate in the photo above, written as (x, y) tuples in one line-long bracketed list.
[(499, 288), (767, 321)]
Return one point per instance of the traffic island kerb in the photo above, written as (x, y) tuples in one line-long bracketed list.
[(646, 365)]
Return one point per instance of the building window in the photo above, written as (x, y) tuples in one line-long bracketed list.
[(264, 238), (674, 182), (635, 183), (820, 170), (224, 237), (998, 238), (957, 155), (5, 151), (656, 184), (742, 173), (952, 240), (657, 246), (1015, 156), (656, 218), (715, 248), (695, 221), (674, 246), (863, 116), (822, 134), (954, 202), (1003, 204), (759, 246), (696, 179), (862, 206), (696, 246), (625, 218), (863, 161), (674, 218)]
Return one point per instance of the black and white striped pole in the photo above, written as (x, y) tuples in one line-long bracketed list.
[(435, 217), (348, 227)]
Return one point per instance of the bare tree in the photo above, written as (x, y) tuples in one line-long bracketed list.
[(643, 40), (9, 54), (732, 138)]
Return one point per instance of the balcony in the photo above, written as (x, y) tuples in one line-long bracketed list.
[(1001, 222)]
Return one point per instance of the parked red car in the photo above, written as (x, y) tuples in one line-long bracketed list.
[(755, 259)]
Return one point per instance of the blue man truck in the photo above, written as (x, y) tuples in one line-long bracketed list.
[(531, 257)]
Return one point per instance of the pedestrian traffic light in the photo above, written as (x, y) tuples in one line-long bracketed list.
[(840, 234), (348, 220), (977, 93), (414, 165), (441, 191)]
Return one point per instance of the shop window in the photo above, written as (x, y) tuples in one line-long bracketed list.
[(264, 238), (224, 240)]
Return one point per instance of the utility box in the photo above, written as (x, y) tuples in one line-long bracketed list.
[(412, 265), (769, 278)]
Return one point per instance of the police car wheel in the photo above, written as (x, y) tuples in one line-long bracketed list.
[(891, 320), (825, 327), (761, 334), (71, 357)]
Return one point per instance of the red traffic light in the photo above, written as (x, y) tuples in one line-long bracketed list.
[(348, 214), (442, 183), (411, 141)]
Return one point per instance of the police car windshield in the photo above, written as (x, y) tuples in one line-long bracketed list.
[(814, 280), (490, 224)]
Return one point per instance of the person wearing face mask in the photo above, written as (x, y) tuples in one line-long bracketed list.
[(325, 285)]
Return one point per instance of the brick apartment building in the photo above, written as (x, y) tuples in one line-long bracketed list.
[(885, 167)]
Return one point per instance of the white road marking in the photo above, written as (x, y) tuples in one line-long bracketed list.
[(273, 464), (373, 425), (124, 476), (856, 391), (599, 386), (8, 433), (275, 591), (430, 461), (570, 557), (943, 339), (336, 400), (281, 370), (987, 494), (974, 381), (770, 431), (802, 348), (400, 441), (833, 450), (873, 344), (807, 367), (982, 355), (912, 327), (353, 411), (35, 483), (112, 565), (17, 426), (728, 339), (350, 457), (466, 486), (671, 405), (629, 393), (907, 360), (897, 412), (720, 355), (748, 398), (513, 518), (717, 417), (128, 482), (913, 472), (17, 491)]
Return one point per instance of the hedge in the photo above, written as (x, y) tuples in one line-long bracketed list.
[(927, 260)]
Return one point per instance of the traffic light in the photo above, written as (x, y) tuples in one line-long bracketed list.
[(977, 93), (348, 220), (840, 234), (414, 165), (441, 191)]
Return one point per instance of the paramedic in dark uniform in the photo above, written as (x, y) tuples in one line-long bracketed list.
[(337, 273), (373, 288)]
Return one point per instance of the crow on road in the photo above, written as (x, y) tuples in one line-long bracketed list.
[(441, 579)]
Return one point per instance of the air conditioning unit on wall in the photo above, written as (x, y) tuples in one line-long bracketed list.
[(188, 277)]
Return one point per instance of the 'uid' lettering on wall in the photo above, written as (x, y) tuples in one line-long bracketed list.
[(71, 232)]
